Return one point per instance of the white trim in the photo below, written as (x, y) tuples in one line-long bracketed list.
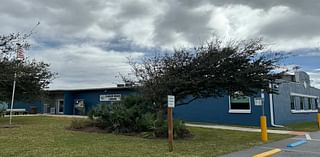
[(304, 111), (303, 95), (58, 106), (240, 110)]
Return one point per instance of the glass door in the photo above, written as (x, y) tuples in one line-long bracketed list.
[(60, 106)]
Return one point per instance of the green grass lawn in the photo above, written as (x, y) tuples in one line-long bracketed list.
[(47, 136), (307, 126)]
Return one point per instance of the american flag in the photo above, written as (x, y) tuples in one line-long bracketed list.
[(20, 53)]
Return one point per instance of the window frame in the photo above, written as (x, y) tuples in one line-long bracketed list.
[(305, 109), (293, 102), (301, 103), (309, 103), (240, 110)]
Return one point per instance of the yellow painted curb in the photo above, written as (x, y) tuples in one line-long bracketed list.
[(268, 153)]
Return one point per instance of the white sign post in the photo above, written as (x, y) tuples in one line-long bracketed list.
[(171, 101)]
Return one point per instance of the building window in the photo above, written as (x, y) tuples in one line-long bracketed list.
[(239, 104), (310, 104), (292, 102), (300, 103)]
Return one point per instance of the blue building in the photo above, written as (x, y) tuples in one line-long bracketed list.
[(75, 101), (296, 101), (80, 101)]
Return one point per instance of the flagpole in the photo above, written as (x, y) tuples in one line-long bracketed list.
[(20, 56), (12, 98)]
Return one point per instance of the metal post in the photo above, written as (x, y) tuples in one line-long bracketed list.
[(170, 129), (263, 121), (262, 99), (318, 117), (12, 98), (264, 132), (317, 102)]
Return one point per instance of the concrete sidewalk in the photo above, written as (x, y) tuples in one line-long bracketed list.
[(235, 128), (308, 149), (49, 115)]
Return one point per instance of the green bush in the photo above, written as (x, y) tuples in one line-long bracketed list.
[(179, 130), (133, 114)]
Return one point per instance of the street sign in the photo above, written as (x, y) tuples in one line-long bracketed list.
[(171, 101)]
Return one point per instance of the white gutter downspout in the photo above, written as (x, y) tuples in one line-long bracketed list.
[(271, 109)]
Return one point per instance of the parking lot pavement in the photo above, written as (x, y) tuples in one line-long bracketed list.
[(310, 149)]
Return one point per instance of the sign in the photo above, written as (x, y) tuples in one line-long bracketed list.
[(171, 101), (110, 97), (258, 101)]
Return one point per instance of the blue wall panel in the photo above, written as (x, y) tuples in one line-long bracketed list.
[(91, 97), (216, 110), (68, 103), (28, 106), (282, 107)]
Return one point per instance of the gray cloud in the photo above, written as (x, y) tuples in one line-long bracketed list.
[(134, 9), (307, 6), (191, 25), (85, 66), (293, 26), (74, 34)]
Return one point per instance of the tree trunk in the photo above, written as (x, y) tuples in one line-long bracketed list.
[(160, 114)]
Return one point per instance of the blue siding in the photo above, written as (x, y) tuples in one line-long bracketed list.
[(216, 110), (28, 106), (91, 98), (68, 103), (282, 109)]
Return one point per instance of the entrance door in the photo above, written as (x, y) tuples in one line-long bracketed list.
[(60, 106), (45, 108)]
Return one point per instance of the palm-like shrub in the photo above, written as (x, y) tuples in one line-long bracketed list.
[(132, 114)]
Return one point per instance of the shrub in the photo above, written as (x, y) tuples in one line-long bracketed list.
[(133, 114), (179, 130)]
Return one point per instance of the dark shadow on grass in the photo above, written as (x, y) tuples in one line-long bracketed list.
[(10, 126)]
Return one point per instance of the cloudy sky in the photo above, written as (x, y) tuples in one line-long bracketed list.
[(88, 41)]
